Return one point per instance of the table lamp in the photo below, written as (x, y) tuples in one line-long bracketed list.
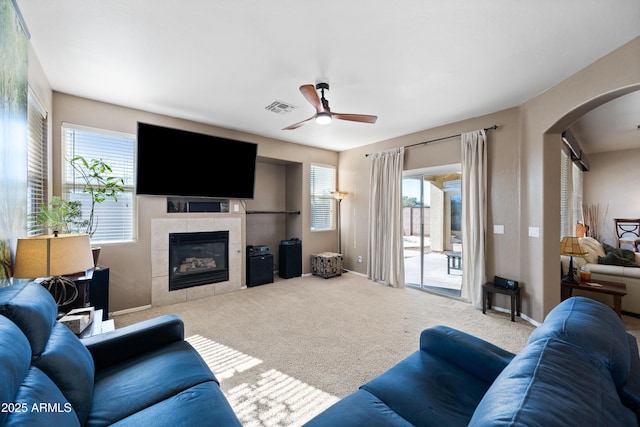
[(53, 256), (570, 246)]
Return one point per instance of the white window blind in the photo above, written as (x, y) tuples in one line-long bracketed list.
[(570, 195), (323, 182), (115, 221), (37, 161)]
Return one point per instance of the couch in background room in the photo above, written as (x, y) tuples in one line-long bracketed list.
[(579, 368), (611, 264), (141, 375)]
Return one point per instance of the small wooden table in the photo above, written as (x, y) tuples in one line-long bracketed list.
[(615, 289)]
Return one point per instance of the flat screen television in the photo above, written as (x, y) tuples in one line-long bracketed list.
[(180, 163)]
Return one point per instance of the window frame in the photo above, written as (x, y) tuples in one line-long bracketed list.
[(322, 203), (114, 150)]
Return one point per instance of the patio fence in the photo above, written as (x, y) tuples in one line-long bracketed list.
[(411, 221)]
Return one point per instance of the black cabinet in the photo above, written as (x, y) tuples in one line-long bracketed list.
[(259, 268), (290, 259), (93, 290)]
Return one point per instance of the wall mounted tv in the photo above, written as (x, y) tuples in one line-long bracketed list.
[(180, 163)]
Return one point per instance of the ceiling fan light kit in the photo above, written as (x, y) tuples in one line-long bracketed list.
[(323, 114), (323, 118)]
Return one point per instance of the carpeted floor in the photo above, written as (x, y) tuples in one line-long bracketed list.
[(285, 351)]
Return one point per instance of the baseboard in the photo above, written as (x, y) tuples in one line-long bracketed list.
[(522, 316), (129, 310)]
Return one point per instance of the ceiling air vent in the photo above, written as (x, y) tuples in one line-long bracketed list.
[(280, 107)]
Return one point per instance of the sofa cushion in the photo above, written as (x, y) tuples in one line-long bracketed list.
[(15, 358), (631, 272), (32, 308), (553, 383), (358, 409), (426, 389), (202, 405), (630, 393), (146, 380), (593, 327), (70, 366), (594, 249), (44, 403)]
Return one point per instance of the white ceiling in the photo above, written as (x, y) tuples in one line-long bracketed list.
[(416, 64)]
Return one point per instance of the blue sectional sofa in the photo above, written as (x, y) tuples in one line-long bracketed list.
[(579, 368), (141, 375)]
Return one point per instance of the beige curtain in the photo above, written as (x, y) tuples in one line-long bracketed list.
[(474, 215), (385, 246)]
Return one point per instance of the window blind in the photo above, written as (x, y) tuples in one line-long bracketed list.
[(37, 163), (323, 182), (114, 220), (570, 194)]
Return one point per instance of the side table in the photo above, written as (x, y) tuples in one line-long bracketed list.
[(454, 261), (615, 289), (488, 289)]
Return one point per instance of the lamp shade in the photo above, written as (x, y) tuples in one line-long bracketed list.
[(50, 255), (339, 195), (571, 246)]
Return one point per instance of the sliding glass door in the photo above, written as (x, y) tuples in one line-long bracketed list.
[(431, 229)]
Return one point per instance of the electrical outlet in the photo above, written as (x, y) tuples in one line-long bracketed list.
[(360, 258)]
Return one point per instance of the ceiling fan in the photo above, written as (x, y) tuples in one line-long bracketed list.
[(323, 112)]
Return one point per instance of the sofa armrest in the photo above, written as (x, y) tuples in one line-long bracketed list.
[(130, 341), (476, 356)]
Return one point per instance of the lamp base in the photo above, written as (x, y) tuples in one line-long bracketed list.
[(63, 290), (570, 278)]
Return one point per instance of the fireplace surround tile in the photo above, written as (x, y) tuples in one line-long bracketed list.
[(160, 230)]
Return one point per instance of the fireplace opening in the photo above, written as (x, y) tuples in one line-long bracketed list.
[(198, 259)]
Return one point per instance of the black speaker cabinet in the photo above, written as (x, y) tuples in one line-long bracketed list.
[(290, 259), (93, 291), (259, 269), (99, 291)]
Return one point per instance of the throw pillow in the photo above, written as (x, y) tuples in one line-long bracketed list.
[(594, 249), (613, 259), (620, 252)]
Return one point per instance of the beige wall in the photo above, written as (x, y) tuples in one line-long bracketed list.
[(278, 186), (524, 175), (503, 158), (614, 184)]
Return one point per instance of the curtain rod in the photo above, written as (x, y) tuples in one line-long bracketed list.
[(494, 127)]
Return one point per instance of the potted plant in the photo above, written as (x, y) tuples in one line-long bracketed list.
[(100, 184), (60, 215)]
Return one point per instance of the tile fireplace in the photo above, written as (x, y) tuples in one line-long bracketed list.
[(198, 258), (163, 228)]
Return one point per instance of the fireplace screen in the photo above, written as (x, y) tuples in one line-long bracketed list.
[(198, 258)]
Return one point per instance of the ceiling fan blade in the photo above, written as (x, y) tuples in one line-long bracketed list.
[(297, 125), (364, 118), (310, 93)]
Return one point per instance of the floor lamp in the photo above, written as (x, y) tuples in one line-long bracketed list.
[(339, 195)]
